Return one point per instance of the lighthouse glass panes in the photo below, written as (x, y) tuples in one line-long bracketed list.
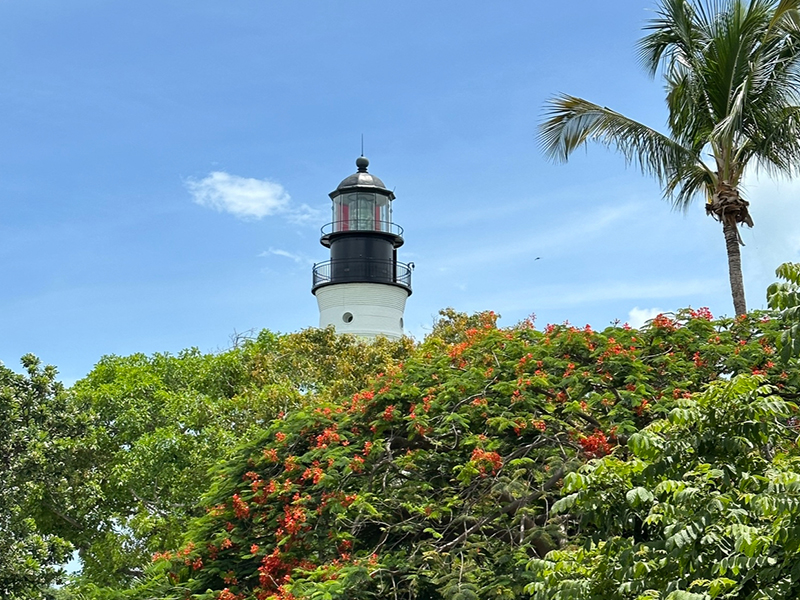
[(362, 211)]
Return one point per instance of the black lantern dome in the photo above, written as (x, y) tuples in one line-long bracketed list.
[(361, 178)]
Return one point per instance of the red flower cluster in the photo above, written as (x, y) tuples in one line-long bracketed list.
[(229, 577), (357, 464), (458, 349), (165, 555), (357, 403), (614, 348), (314, 473), (486, 460), (274, 571), (522, 361), (639, 410), (293, 519), (702, 313), (595, 445), (240, 507), (664, 322), (348, 499), (290, 464), (226, 594), (426, 403), (327, 437)]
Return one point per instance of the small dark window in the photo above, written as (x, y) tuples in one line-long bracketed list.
[(347, 317)]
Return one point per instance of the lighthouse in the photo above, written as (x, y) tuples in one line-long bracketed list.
[(362, 289)]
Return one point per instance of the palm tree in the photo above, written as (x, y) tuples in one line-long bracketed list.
[(732, 72)]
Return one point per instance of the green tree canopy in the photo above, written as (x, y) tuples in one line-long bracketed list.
[(784, 296), (37, 428)]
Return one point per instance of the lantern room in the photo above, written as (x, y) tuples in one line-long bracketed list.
[(361, 203), (362, 211)]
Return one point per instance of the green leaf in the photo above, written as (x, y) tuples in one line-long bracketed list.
[(639, 496)]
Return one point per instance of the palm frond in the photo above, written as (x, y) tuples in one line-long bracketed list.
[(786, 13), (687, 183), (742, 75), (690, 119), (572, 122), (676, 34), (734, 40), (775, 144)]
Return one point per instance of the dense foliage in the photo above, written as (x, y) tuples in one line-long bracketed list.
[(443, 477), (785, 296), (36, 428), (704, 504)]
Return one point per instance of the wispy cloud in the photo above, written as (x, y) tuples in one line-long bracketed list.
[(573, 230), (298, 258), (247, 198)]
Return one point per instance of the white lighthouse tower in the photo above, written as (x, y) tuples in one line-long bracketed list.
[(362, 289)]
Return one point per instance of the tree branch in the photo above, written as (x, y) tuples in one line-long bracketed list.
[(510, 508)]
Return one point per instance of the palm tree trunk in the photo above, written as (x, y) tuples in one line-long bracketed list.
[(734, 265), (729, 208)]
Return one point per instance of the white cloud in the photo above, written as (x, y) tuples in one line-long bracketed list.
[(247, 198), (298, 258), (639, 316), (775, 238)]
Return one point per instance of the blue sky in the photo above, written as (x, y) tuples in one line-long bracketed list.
[(164, 169)]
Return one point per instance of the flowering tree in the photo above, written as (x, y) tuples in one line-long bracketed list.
[(438, 480)]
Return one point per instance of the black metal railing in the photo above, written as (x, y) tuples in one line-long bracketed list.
[(362, 270), (365, 225)]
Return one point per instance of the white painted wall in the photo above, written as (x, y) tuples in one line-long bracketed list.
[(376, 309)]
